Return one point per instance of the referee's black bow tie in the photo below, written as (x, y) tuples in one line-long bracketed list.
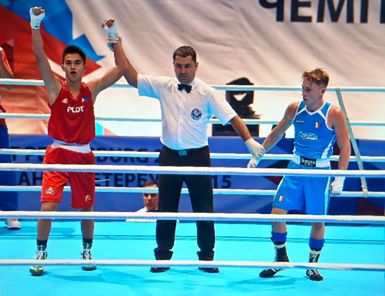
[(185, 87)]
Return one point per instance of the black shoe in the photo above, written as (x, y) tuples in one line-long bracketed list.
[(280, 256), (314, 275), (161, 255), (88, 268), (159, 269), (86, 255), (268, 272), (207, 256), (41, 254), (209, 269)]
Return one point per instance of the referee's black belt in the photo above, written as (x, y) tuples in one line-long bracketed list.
[(185, 152)]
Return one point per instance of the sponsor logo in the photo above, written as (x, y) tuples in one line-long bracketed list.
[(307, 162), (50, 191), (308, 136), (196, 114), (71, 109), (299, 121), (87, 198), (64, 101)]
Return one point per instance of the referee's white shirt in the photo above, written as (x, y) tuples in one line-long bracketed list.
[(185, 116)]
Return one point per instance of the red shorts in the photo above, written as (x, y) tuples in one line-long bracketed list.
[(82, 184)]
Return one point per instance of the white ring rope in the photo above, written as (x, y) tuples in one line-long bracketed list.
[(226, 217), (34, 82), (169, 170), (194, 216), (191, 263), (252, 192), (213, 120), (142, 154)]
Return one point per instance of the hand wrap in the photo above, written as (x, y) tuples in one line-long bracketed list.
[(256, 150), (337, 185), (36, 14), (110, 27)]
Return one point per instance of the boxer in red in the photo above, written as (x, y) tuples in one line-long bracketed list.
[(72, 128)]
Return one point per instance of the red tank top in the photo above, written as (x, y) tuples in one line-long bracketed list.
[(72, 119), (6, 64)]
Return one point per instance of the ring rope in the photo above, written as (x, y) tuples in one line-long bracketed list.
[(139, 154), (227, 217), (212, 120), (252, 192), (35, 82), (188, 170), (364, 185), (196, 263)]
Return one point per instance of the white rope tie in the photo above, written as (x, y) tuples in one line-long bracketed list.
[(353, 140)]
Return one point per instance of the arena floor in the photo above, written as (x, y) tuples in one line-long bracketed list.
[(244, 242)]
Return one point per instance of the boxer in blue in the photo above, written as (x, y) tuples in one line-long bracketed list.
[(318, 125)]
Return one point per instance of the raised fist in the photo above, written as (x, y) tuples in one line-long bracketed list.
[(36, 14)]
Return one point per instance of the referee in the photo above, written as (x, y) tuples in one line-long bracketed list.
[(187, 105)]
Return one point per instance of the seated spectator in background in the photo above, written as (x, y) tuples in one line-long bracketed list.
[(150, 200)]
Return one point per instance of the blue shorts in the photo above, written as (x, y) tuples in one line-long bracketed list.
[(307, 194)]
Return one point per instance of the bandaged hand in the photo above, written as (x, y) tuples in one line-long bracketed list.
[(36, 14), (253, 162), (256, 150), (110, 26), (337, 185)]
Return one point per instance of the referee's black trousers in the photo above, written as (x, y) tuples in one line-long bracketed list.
[(201, 195)]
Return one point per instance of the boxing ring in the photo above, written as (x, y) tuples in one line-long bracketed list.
[(118, 243), (353, 260)]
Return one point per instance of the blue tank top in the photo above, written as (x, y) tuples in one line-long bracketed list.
[(312, 137)]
